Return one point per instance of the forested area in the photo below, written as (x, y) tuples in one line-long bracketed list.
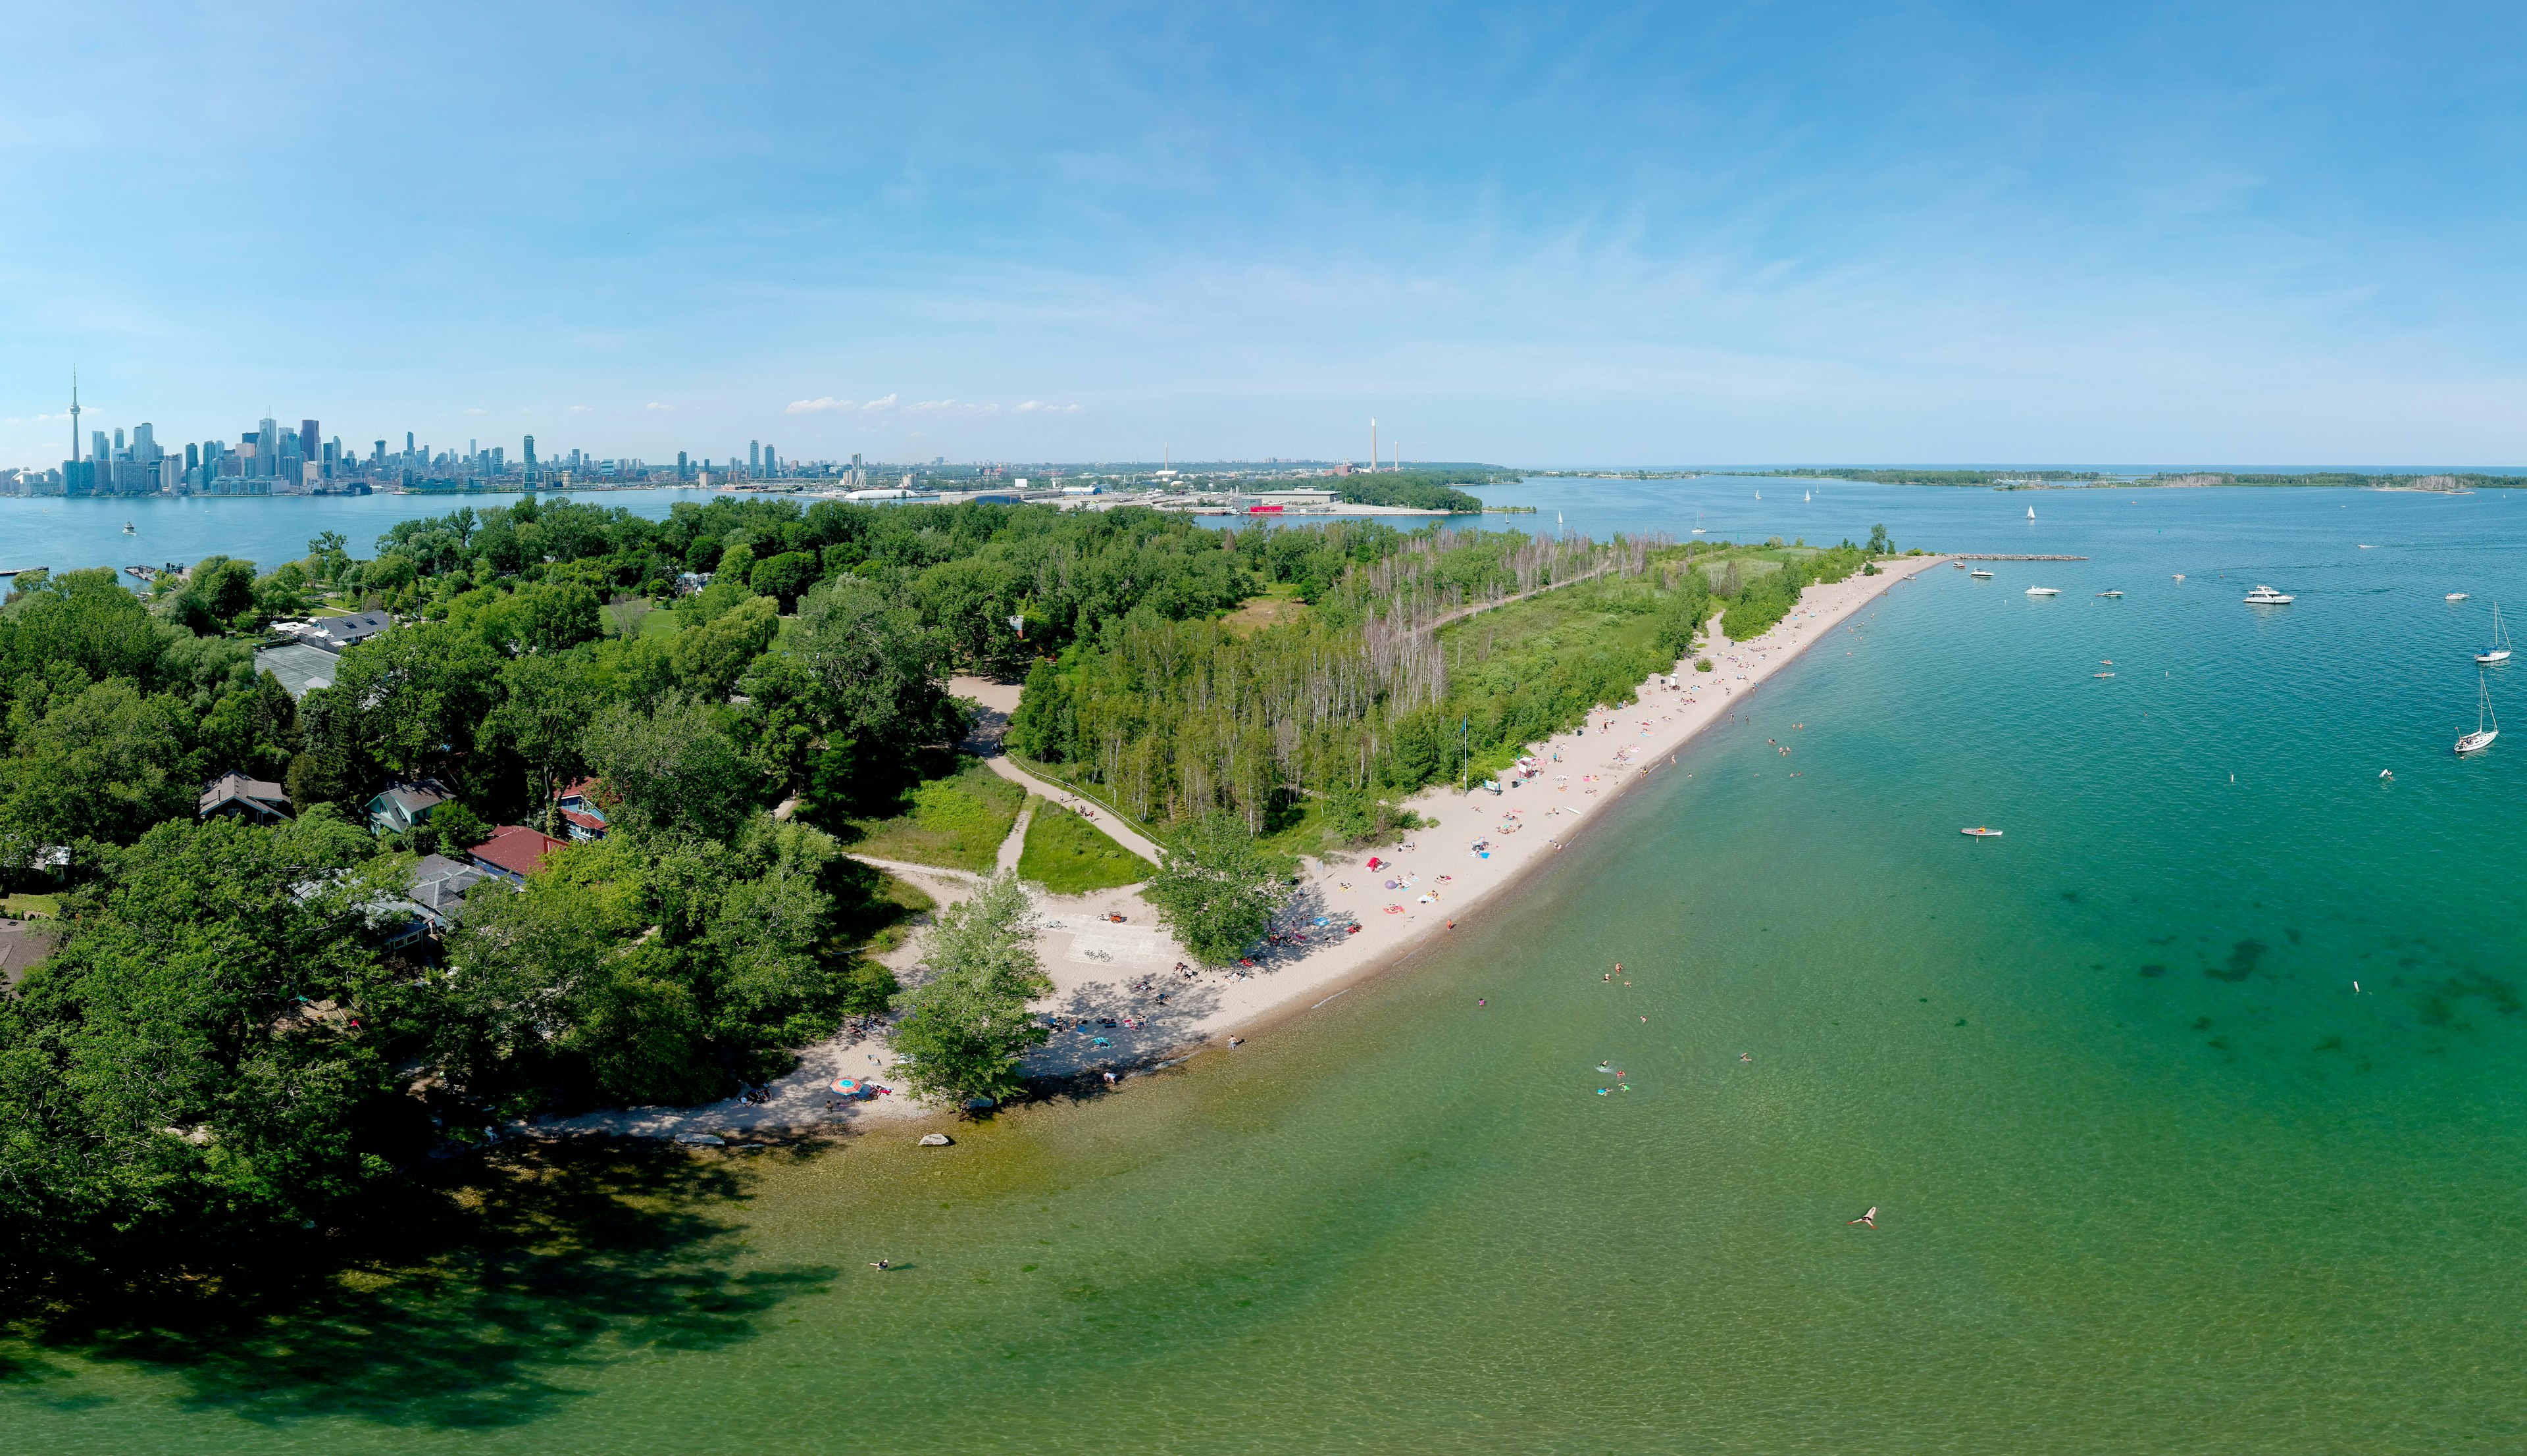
[(232, 1040), (1421, 490), (1396, 677)]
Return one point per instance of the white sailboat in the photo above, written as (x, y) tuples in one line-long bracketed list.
[(2498, 651), (1811, 495), (2487, 725), (2030, 513)]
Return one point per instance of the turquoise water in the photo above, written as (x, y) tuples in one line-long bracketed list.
[(2152, 1177)]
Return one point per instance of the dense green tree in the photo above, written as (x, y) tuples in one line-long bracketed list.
[(1217, 889), (216, 594), (547, 703), (710, 655), (99, 762), (675, 769), (86, 621), (198, 1060), (881, 674), (784, 576), (253, 732), (966, 1025)]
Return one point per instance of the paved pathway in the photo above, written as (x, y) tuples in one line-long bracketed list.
[(1069, 799)]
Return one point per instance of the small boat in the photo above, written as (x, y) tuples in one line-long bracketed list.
[(2365, 546), (2456, 596), (1980, 573), (130, 529), (2487, 725), (2498, 651), (2265, 596), (2180, 576), (2044, 592), (2101, 674), (1980, 834), (2109, 593)]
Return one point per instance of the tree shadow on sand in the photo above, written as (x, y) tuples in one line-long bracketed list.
[(460, 1304)]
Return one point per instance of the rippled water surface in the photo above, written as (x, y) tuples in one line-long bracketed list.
[(2151, 1174)]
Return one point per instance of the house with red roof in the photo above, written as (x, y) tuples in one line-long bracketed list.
[(514, 852), (582, 817)]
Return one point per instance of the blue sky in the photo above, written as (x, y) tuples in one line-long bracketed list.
[(1534, 234)]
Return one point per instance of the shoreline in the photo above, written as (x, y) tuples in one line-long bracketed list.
[(1434, 877)]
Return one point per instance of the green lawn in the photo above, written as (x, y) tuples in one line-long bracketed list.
[(1068, 856), (958, 822), (626, 616), (23, 906)]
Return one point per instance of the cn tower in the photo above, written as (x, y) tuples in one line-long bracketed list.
[(74, 444)]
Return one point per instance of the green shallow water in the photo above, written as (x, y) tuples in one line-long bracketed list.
[(2152, 1177)]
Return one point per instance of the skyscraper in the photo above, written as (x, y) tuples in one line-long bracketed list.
[(754, 457), (308, 447), (683, 472), (529, 454), (268, 459)]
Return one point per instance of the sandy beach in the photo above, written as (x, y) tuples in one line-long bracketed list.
[(1119, 1002)]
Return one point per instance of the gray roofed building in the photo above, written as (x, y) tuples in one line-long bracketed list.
[(24, 944), (334, 633), (436, 900), (401, 806), (252, 799), (300, 668)]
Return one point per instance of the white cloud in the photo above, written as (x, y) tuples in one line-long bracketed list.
[(583, 410), (655, 408), (876, 406), (816, 406), (1039, 407), (478, 411)]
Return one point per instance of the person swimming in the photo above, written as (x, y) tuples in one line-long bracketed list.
[(1870, 1218), (1745, 1056), (881, 1264)]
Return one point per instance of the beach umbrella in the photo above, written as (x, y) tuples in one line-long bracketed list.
[(846, 1084)]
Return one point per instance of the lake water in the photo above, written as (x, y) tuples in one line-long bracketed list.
[(2152, 1177), (65, 535)]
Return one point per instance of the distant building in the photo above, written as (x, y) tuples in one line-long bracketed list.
[(235, 796), (401, 808), (581, 814), (514, 852)]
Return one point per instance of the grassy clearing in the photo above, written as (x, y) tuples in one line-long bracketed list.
[(22, 906), (1279, 604), (625, 619), (957, 822), (661, 624), (1070, 856)]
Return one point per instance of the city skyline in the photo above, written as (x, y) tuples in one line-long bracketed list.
[(1635, 235)]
